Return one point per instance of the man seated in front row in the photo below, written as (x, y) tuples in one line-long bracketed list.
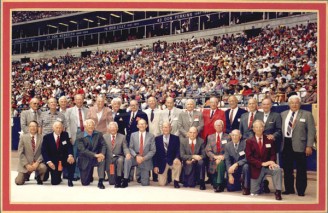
[(261, 157), (91, 148), (192, 153), (142, 148), (236, 164), (167, 156), (117, 150)]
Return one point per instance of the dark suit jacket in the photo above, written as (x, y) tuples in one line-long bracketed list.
[(235, 122), (243, 127), (231, 156), (133, 127), (49, 148), (185, 149), (161, 158), (120, 121), (87, 149), (255, 157)]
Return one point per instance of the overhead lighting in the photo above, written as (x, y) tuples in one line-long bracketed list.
[(66, 25), (112, 14), (101, 18), (74, 22), (49, 25), (85, 19), (127, 12)]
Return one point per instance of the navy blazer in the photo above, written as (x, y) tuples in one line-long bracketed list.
[(49, 148), (131, 128), (119, 119), (161, 158), (235, 122)]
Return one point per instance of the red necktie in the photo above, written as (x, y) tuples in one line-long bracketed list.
[(113, 141), (57, 142), (141, 145), (231, 114), (33, 144), (260, 144), (218, 144), (192, 147), (81, 120), (251, 121)]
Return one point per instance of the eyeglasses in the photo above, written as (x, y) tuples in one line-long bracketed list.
[(35, 103)]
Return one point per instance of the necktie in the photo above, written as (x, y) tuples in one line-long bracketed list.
[(190, 116), (218, 144), (236, 147), (33, 144), (113, 141), (132, 118), (166, 141), (290, 125), (251, 121), (170, 116), (260, 144), (152, 115), (35, 118), (212, 112), (265, 118), (81, 120), (230, 117), (57, 141), (141, 145), (192, 147)]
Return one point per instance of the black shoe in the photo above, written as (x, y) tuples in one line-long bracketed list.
[(246, 191), (220, 188), (125, 183), (70, 183), (101, 185), (76, 179), (266, 186), (287, 193), (176, 184), (202, 185), (301, 194), (278, 195), (27, 179), (118, 182), (39, 181), (139, 179)]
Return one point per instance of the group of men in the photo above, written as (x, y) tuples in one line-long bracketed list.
[(237, 148)]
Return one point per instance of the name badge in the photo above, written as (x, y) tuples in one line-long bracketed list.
[(268, 145), (121, 119), (196, 119), (302, 120), (271, 122), (238, 119), (224, 141), (241, 153), (64, 142), (176, 118)]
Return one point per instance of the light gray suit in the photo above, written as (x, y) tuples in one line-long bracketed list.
[(243, 127), (149, 150), (185, 122), (73, 121), (175, 112), (117, 154), (154, 127), (26, 156), (26, 117)]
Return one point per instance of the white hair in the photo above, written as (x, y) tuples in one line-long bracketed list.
[(217, 122)]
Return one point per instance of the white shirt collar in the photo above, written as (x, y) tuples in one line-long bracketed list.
[(194, 142)]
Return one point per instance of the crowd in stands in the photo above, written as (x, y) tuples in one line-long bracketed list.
[(23, 16), (275, 63)]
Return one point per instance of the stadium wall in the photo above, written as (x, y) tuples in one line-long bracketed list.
[(233, 29)]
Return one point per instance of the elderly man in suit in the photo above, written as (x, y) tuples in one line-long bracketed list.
[(154, 116), (171, 115), (57, 152), (142, 148), (192, 153), (189, 118), (167, 156), (117, 150), (215, 149), (30, 158), (118, 115), (32, 114), (261, 157), (236, 164), (298, 130), (100, 114), (233, 114), (92, 150), (247, 119), (76, 117)]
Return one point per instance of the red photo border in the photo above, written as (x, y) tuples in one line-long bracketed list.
[(319, 7)]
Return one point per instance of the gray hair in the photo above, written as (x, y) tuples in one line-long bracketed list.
[(217, 122), (258, 121), (294, 97), (112, 123), (116, 100), (85, 123)]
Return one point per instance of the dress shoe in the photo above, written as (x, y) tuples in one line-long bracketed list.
[(70, 183), (266, 186), (176, 184), (39, 181), (139, 179), (301, 194), (125, 183), (118, 181), (246, 191), (101, 185), (220, 188), (76, 179), (278, 195), (202, 185), (287, 193)]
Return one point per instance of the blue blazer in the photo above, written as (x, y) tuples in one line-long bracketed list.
[(235, 122), (161, 158)]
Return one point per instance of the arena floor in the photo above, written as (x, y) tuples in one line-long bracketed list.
[(136, 193)]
